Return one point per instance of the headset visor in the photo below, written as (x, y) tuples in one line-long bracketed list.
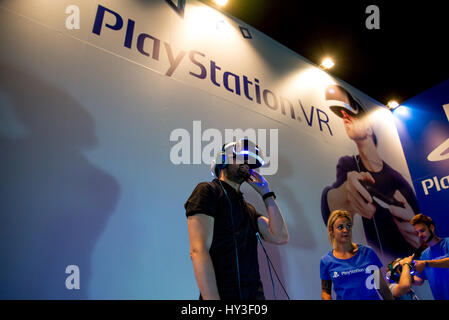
[(338, 99)]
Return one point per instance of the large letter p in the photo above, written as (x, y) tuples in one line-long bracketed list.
[(99, 20)]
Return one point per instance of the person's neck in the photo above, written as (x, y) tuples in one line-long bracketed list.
[(434, 241), (233, 184), (344, 248), (369, 156)]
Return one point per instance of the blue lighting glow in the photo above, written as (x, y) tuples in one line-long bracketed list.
[(402, 111)]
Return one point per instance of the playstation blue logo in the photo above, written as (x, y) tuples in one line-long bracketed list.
[(441, 153)]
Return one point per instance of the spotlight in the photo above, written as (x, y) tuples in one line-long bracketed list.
[(392, 104), (327, 63), (221, 3)]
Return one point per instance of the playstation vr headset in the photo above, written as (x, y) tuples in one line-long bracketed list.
[(394, 269), (338, 99), (238, 152)]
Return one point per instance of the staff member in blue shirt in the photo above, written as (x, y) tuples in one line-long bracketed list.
[(434, 263), (352, 269)]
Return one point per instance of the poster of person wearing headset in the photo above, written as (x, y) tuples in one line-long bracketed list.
[(368, 186)]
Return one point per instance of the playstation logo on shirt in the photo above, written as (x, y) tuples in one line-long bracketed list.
[(335, 275)]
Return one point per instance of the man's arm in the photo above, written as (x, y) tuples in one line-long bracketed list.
[(201, 227), (437, 263), (273, 229), (417, 281), (405, 281)]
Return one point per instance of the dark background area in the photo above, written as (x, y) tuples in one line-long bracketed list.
[(406, 56)]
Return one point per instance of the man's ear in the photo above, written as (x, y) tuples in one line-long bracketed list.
[(222, 173)]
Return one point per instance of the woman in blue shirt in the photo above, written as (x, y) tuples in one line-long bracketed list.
[(352, 269)]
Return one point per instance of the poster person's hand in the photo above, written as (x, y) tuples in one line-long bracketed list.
[(402, 217), (358, 198)]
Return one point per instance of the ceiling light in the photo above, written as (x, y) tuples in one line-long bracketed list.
[(392, 104), (221, 3), (327, 63)]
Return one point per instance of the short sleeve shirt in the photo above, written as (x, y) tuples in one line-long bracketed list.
[(352, 278), (438, 277), (208, 198)]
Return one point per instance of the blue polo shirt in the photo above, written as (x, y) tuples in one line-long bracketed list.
[(350, 276), (438, 277)]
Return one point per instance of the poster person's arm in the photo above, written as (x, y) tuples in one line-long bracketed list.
[(274, 228), (200, 227)]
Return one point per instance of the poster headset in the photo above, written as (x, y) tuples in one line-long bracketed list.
[(242, 151)]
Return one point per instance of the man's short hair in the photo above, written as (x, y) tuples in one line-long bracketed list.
[(421, 218)]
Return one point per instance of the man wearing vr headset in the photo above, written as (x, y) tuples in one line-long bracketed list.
[(400, 274), (367, 185), (222, 225), (434, 261)]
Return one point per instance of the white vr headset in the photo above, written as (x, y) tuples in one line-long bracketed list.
[(338, 99), (239, 152)]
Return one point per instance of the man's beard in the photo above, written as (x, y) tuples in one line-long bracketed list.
[(239, 175), (432, 235), (244, 174)]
